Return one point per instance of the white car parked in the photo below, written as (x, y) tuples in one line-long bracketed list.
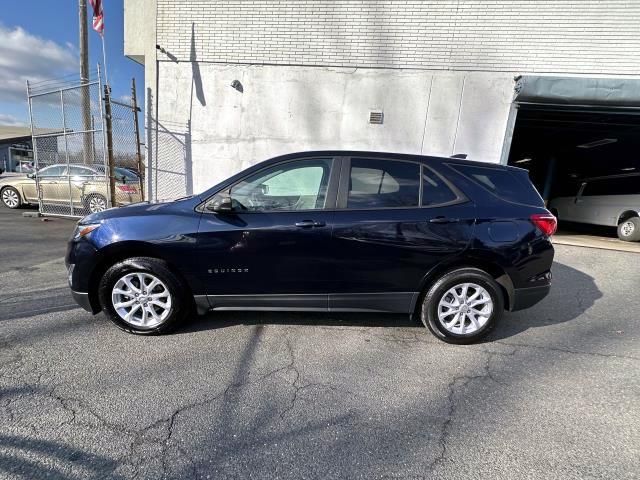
[(611, 201)]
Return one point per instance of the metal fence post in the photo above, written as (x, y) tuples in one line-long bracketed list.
[(134, 101), (34, 145), (66, 150), (108, 128)]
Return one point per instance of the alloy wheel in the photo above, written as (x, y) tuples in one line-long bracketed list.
[(97, 204), (10, 198), (465, 308), (141, 300), (627, 228)]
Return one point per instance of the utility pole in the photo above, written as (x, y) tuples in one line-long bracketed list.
[(85, 91)]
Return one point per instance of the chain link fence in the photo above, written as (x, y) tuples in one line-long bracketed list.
[(75, 173), (171, 172)]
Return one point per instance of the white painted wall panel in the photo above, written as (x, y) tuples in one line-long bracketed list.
[(289, 109)]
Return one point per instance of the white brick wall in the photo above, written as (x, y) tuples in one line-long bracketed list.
[(526, 36)]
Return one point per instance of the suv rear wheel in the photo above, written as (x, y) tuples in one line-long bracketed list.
[(141, 295), (629, 230), (463, 306)]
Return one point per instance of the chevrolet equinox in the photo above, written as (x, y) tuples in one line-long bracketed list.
[(453, 242)]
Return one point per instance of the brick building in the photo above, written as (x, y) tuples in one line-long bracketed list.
[(233, 82)]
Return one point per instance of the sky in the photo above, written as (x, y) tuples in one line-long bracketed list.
[(39, 41)]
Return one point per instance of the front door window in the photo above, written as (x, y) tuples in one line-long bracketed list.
[(291, 186)]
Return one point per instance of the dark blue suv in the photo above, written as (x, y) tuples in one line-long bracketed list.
[(453, 242)]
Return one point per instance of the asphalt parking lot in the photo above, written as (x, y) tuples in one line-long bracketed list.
[(553, 393)]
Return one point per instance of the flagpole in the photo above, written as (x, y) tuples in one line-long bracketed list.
[(104, 59)]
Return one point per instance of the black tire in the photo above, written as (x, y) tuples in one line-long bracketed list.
[(439, 289), (95, 199), (629, 230), (181, 301), (9, 195)]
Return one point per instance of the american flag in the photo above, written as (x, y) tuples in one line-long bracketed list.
[(98, 16)]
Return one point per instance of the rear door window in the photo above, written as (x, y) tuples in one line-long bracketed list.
[(513, 186), (76, 171), (612, 186), (434, 190), (629, 185), (379, 183), (54, 171)]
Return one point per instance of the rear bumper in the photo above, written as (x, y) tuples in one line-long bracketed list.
[(527, 297), (83, 300)]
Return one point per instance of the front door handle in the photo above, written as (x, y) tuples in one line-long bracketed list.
[(444, 220), (309, 224)]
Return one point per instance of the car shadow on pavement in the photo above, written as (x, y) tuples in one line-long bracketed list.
[(572, 293)]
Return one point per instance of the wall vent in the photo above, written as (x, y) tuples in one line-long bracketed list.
[(376, 117)]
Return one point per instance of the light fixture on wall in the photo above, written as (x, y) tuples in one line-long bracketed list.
[(169, 55), (236, 85), (598, 143)]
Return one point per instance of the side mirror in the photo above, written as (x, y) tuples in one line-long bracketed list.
[(222, 205), (31, 175)]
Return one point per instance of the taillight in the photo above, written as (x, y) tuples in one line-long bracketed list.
[(547, 223), (127, 188)]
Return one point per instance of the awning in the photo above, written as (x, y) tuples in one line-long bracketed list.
[(578, 91)]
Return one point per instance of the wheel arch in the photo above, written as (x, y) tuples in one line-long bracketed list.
[(626, 215), (112, 254), (488, 265)]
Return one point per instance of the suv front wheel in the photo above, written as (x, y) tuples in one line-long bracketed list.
[(141, 295), (463, 306)]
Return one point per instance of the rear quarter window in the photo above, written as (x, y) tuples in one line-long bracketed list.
[(513, 186)]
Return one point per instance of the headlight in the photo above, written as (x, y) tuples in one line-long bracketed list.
[(84, 230)]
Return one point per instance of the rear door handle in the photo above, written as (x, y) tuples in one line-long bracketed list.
[(444, 220), (309, 224)]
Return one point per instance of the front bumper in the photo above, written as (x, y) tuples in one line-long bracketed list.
[(82, 299), (81, 260), (527, 297)]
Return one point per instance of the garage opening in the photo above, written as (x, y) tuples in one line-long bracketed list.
[(584, 161)]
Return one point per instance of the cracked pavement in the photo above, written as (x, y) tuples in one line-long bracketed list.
[(553, 393)]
